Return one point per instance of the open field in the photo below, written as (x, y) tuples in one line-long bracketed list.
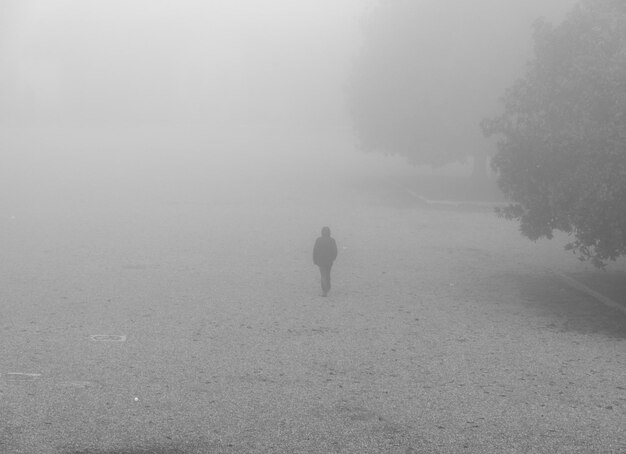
[(443, 333)]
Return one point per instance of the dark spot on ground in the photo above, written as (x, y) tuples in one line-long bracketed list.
[(146, 450), (568, 309), (611, 284)]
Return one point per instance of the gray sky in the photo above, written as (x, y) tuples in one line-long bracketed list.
[(236, 60), (243, 60), (262, 80)]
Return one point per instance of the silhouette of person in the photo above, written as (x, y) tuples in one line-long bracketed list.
[(324, 254)]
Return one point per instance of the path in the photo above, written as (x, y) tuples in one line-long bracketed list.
[(441, 335)]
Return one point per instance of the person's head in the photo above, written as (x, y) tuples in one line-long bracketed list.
[(325, 231)]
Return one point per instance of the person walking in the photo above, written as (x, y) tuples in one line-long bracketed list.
[(324, 254)]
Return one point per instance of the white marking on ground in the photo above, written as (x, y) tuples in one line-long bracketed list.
[(21, 376), (108, 338), (77, 384), (456, 203)]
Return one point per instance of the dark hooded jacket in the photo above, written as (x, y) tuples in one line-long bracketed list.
[(325, 250)]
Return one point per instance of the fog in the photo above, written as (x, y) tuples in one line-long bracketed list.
[(165, 169), (169, 100), (144, 61)]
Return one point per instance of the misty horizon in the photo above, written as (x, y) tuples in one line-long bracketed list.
[(153, 95)]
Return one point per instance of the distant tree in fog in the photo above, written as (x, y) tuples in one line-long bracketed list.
[(393, 100), (428, 71), (562, 151)]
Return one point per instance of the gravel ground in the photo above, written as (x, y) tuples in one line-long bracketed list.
[(442, 334)]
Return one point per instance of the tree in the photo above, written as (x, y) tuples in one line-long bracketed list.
[(392, 99), (562, 151), (428, 71)]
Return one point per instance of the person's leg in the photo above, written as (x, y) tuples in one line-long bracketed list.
[(325, 273), (328, 277)]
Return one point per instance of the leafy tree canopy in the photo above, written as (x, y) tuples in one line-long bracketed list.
[(562, 151)]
